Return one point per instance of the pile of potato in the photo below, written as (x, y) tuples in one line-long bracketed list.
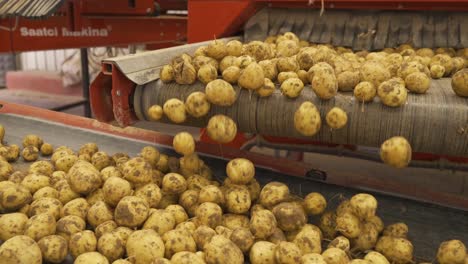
[(155, 209), (292, 64)]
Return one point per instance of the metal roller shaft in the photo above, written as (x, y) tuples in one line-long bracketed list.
[(433, 122)]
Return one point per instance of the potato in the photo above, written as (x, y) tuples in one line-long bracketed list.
[(14, 197), (65, 193), (336, 118), (290, 216), (244, 61), (273, 193), (88, 148), (160, 221), (267, 89), (202, 235), (307, 119), (69, 225), (166, 74), (32, 140), (189, 200), (292, 87), (110, 171), (20, 249), (277, 236), (65, 163), (251, 77), (347, 80), (184, 73), (287, 253), (131, 211), (143, 246), (376, 258), (335, 256), (54, 248), (220, 92), (340, 242), (105, 227), (137, 171), (174, 183), (262, 252), (216, 49), (209, 214), (30, 153), (114, 189), (155, 112), (197, 182), (418, 82), (460, 83), (34, 182), (396, 230), (100, 160), (231, 74), (237, 199), (396, 250), (344, 207), (240, 171), (227, 62), (61, 152), (312, 258), (283, 76), (287, 48), (348, 224), (123, 233), (222, 250), (17, 177), (150, 193), (364, 205), (367, 238), (11, 225), (186, 257), (40, 225), (365, 92), (211, 193), (177, 241), (51, 206), (308, 239), (396, 152), (91, 258), (287, 64), (453, 252), (41, 167), (10, 153), (221, 129), (111, 246), (174, 109), (303, 76), (197, 104), (5, 170), (183, 143), (392, 93), (199, 61), (84, 177), (2, 133), (99, 213), (234, 221), (305, 58), (207, 73), (314, 203), (445, 61), (122, 261), (374, 72), (190, 164), (234, 48), (262, 224), (257, 49), (269, 68), (160, 261)]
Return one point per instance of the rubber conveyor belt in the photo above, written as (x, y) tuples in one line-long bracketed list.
[(435, 122), (428, 224)]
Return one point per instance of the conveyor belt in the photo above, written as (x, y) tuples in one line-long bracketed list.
[(363, 30), (428, 224), (432, 122), (29, 8)]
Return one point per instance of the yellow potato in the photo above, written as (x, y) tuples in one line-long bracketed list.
[(376, 258), (307, 119), (10, 153), (207, 73), (367, 237), (5, 170), (257, 49), (174, 109), (290, 216), (11, 225), (392, 93), (105, 227), (20, 249), (155, 112), (178, 212), (396, 250), (211, 193), (234, 48), (347, 80), (177, 241), (308, 239), (227, 62), (292, 87), (137, 171), (184, 72), (287, 64), (199, 61), (335, 256), (231, 74), (348, 224), (183, 143), (209, 214), (363, 205), (189, 200), (30, 153), (365, 92), (48, 205), (202, 235), (396, 152), (91, 258), (65, 163), (445, 61), (262, 252), (340, 242), (197, 104), (32, 140), (287, 48), (305, 58), (174, 183), (14, 196), (69, 225), (186, 257), (99, 213), (453, 251), (41, 167), (220, 92), (166, 73), (374, 72), (84, 177), (251, 77), (160, 221), (336, 118), (131, 211), (240, 171), (40, 225), (460, 83), (267, 89), (269, 68), (54, 248), (244, 61), (88, 148), (314, 203), (221, 129), (216, 49), (283, 76), (325, 86), (418, 82), (143, 246), (114, 189), (222, 250), (111, 246), (312, 258), (237, 199)]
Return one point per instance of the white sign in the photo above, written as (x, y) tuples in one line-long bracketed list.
[(63, 32)]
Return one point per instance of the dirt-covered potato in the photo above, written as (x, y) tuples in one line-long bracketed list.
[(234, 221), (437, 71), (453, 251), (460, 83), (20, 249), (191, 165), (202, 235), (174, 109), (277, 236), (105, 227), (365, 91), (262, 252), (348, 224), (12, 224), (189, 201), (292, 87), (150, 192), (65, 163), (160, 260), (336, 118), (267, 89), (392, 93), (283, 76), (186, 257), (32, 140), (197, 104), (144, 245), (111, 246), (269, 68), (335, 256), (84, 177), (114, 189), (211, 193), (222, 250), (221, 129), (155, 112), (290, 216), (396, 152), (5, 170), (444, 60), (287, 253), (69, 225), (183, 143), (40, 225), (216, 49), (287, 64), (262, 224), (123, 261), (251, 77), (340, 242), (95, 196), (209, 214), (287, 48), (203, 60), (174, 183), (30, 153), (396, 250), (314, 203), (15, 177), (34, 182), (160, 221), (100, 160), (54, 248), (131, 211), (184, 72), (176, 241), (231, 74), (99, 213), (374, 72), (367, 237), (207, 73), (178, 212), (273, 193), (10, 153), (14, 196), (307, 119), (48, 205), (240, 171), (137, 171), (41, 167), (166, 74), (418, 82), (312, 258), (88, 148), (237, 199), (234, 48), (227, 62), (347, 80), (220, 92), (364, 205), (91, 258)]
